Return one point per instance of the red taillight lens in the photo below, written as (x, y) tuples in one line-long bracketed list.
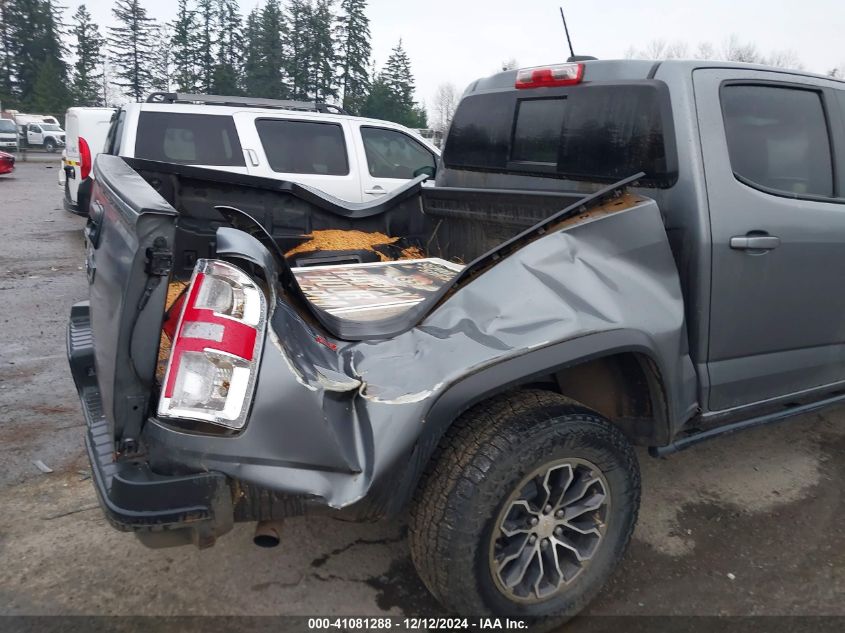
[(84, 159), (550, 76), (216, 347)]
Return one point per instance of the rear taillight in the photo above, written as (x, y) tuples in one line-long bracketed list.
[(84, 159), (216, 347), (549, 76)]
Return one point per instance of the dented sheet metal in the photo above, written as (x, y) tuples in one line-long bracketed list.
[(337, 423)]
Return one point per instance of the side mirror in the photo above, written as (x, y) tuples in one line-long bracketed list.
[(427, 170)]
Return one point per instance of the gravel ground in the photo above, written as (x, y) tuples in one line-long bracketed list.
[(747, 525)]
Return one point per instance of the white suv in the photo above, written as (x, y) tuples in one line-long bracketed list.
[(349, 157)]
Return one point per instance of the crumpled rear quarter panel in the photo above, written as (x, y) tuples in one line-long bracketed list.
[(315, 431)]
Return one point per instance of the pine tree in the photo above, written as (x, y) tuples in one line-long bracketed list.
[(6, 87), (205, 42), (392, 94), (87, 73), (130, 48), (183, 51), (353, 37), (323, 59), (33, 31), (398, 77), (253, 65), (271, 41), (380, 103), (229, 49), (300, 42), (50, 93), (162, 68), (229, 55)]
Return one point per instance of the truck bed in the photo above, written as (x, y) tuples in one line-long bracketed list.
[(457, 224)]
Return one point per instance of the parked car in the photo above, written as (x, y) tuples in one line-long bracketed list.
[(649, 250), (8, 136), (352, 158), (87, 129), (7, 163), (49, 136)]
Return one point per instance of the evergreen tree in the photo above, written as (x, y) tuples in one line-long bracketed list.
[(183, 52), (253, 65), (322, 52), (205, 42), (87, 73), (33, 32), (380, 103), (300, 43), (50, 93), (398, 77), (6, 87), (162, 68), (229, 33), (353, 37), (271, 41), (131, 48), (224, 81), (392, 94), (229, 56)]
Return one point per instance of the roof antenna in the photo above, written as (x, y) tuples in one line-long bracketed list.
[(565, 28), (572, 56)]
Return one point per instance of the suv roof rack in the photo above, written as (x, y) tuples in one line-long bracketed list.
[(248, 102)]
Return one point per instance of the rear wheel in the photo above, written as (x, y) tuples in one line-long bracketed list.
[(526, 509)]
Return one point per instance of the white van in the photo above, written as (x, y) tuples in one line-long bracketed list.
[(87, 129), (349, 157)]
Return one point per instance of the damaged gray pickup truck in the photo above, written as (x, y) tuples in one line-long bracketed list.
[(641, 254)]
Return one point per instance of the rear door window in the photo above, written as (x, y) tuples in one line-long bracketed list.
[(778, 138), (191, 139), (303, 147), (392, 154)]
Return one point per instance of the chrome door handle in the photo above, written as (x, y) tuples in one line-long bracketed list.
[(376, 191), (253, 157), (755, 242)]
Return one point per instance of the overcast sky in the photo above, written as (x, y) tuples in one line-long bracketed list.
[(460, 40)]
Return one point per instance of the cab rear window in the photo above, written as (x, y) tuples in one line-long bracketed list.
[(188, 139), (536, 135), (598, 132)]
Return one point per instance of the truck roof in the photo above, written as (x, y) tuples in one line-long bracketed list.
[(632, 69)]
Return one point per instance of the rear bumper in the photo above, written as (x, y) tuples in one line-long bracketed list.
[(162, 510), (69, 204)]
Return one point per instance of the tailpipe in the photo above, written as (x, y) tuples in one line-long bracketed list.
[(267, 533)]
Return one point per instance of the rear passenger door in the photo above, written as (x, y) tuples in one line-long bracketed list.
[(777, 214), (390, 159), (312, 152), (185, 138)]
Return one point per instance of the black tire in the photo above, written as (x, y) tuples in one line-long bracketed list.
[(480, 461), (50, 145)]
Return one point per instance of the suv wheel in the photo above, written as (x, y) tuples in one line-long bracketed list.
[(526, 509), (50, 145)]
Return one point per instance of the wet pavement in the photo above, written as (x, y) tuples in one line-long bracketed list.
[(747, 525)]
